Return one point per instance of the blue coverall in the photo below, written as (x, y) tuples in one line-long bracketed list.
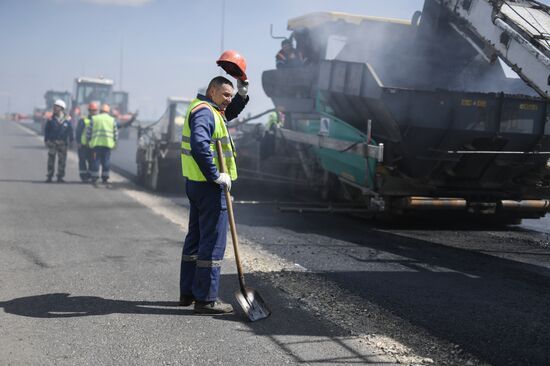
[(58, 135), (204, 245)]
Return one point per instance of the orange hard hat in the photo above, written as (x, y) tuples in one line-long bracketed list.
[(105, 108), (92, 106), (233, 63)]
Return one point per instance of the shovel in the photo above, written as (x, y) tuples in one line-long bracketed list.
[(249, 299)]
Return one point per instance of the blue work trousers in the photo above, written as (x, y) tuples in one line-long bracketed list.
[(204, 245), (84, 162), (101, 156)]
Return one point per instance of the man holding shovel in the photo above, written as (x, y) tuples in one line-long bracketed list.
[(204, 245)]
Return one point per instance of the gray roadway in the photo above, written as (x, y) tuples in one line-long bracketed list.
[(90, 276)]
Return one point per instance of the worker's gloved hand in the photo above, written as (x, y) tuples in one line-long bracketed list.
[(242, 87), (224, 180)]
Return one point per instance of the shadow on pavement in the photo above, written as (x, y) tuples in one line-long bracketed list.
[(281, 328), (63, 305)]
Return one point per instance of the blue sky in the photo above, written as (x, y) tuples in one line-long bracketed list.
[(170, 46)]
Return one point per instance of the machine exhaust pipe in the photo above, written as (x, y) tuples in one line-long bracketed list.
[(430, 203), (526, 205), (438, 203)]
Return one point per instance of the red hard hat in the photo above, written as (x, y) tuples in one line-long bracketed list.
[(93, 106), (233, 63)]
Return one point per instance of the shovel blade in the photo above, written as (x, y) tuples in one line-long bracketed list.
[(252, 304)]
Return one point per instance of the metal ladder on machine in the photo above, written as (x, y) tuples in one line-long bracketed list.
[(518, 31)]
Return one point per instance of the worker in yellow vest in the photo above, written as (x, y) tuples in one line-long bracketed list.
[(84, 152), (102, 134), (204, 245)]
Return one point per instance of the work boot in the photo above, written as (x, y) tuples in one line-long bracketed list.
[(213, 307), (48, 179), (95, 183), (186, 300), (60, 180)]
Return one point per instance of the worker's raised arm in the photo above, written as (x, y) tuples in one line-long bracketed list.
[(236, 106)]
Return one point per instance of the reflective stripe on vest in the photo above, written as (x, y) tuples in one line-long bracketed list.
[(103, 131), (83, 139), (189, 167)]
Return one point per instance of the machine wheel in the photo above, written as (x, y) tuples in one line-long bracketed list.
[(140, 177), (152, 180), (160, 177), (141, 167)]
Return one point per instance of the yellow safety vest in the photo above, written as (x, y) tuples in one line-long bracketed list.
[(103, 131), (83, 138), (189, 167)]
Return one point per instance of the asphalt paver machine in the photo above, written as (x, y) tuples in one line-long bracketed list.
[(418, 115)]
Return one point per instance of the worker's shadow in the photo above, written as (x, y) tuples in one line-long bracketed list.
[(62, 305)]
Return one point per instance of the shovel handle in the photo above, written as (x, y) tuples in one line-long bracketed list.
[(231, 217)]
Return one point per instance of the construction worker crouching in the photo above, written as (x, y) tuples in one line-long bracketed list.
[(102, 134), (84, 151), (58, 136), (204, 245)]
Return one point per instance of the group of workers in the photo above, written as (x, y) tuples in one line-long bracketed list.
[(96, 136)]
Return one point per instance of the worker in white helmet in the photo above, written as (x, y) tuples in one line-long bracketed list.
[(58, 136)]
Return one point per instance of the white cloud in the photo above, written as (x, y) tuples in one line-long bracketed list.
[(135, 3)]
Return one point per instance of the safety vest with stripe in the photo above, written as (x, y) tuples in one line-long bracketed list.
[(189, 167), (83, 138), (103, 131)]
